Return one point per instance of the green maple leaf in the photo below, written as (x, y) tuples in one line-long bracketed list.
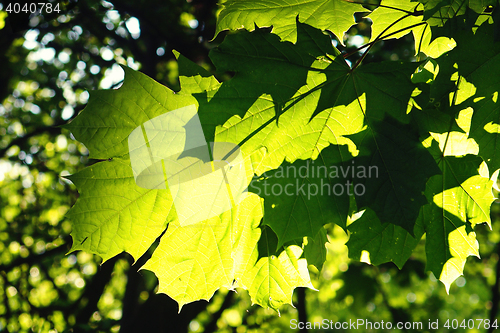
[(333, 103), (315, 249), (192, 262), (287, 66), (193, 78), (334, 15), (485, 130), (441, 11), (112, 211), (392, 16), (431, 47), (460, 118), (113, 214), (383, 242), (459, 202), (479, 65), (104, 130), (273, 277), (392, 149), (276, 103), (468, 79), (437, 12), (294, 101), (388, 89), (300, 198), (397, 18)]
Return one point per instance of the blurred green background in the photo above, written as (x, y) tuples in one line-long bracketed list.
[(48, 64)]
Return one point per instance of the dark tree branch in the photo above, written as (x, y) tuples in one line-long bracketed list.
[(301, 308), (212, 324), (495, 293), (94, 290), (130, 304), (398, 314), (34, 258)]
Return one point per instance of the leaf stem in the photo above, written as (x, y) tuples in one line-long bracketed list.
[(294, 100), (414, 13), (376, 39), (452, 119), (383, 37), (420, 43), (276, 116)]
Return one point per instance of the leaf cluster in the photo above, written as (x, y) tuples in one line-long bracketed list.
[(428, 129)]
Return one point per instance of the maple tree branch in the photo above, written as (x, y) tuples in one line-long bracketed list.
[(301, 308), (131, 295), (94, 290)]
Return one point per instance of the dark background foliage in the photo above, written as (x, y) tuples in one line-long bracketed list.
[(48, 64)]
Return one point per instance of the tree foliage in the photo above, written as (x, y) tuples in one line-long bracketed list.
[(427, 127)]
